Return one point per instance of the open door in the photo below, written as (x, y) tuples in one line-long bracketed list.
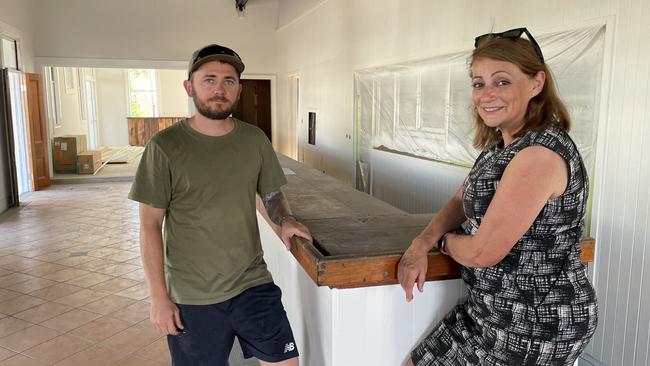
[(37, 132), (254, 105)]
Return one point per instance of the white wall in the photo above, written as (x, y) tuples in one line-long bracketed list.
[(327, 44), (173, 100)]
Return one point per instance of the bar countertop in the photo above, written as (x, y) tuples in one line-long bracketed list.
[(358, 239)]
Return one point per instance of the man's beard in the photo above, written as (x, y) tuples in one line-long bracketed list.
[(214, 112)]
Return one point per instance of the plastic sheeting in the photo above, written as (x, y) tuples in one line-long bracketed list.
[(423, 108)]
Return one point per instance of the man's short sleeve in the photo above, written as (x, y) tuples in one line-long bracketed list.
[(152, 182), (271, 176)]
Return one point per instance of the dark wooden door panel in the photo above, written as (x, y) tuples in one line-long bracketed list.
[(255, 104), (37, 132)]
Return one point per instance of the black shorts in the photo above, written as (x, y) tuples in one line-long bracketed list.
[(256, 317)]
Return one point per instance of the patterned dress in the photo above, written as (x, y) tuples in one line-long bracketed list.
[(536, 306)]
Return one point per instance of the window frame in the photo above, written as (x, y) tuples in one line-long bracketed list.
[(155, 92)]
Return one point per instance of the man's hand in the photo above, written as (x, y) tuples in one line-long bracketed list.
[(290, 228), (165, 317), (412, 268)]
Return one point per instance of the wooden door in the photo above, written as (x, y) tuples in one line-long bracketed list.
[(255, 105), (37, 132)]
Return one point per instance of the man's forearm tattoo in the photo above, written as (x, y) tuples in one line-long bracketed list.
[(276, 206)]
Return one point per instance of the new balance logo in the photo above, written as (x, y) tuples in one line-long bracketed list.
[(289, 347)]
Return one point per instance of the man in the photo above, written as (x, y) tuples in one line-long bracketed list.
[(208, 282)]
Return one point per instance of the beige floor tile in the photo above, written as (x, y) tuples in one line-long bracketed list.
[(33, 252), (5, 353), (81, 298), (135, 261), (43, 312), (8, 259), (31, 285), (108, 304), (19, 303), (14, 278), (134, 313), (11, 325), (27, 338), (123, 255), (118, 269), (101, 328), (74, 261), (71, 320), (58, 348), (66, 274), (133, 360), (56, 291), (94, 264), (22, 264), (96, 355), (158, 351), (20, 360), (44, 269), (90, 280), (137, 275), (132, 339), (7, 294), (52, 256), (116, 284), (103, 252), (137, 292)]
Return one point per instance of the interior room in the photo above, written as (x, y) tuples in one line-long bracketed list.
[(98, 104), (368, 105)]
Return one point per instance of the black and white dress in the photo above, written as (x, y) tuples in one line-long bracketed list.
[(536, 306)]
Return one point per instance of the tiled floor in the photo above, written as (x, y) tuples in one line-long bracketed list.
[(72, 288)]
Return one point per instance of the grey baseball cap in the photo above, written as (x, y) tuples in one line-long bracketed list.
[(214, 52)]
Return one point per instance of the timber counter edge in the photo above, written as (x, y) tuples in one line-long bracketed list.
[(351, 272)]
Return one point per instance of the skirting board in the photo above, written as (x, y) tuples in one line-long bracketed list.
[(587, 360)]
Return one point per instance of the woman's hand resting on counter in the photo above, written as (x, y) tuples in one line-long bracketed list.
[(412, 268)]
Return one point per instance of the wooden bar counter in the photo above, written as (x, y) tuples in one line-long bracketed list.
[(358, 239), (330, 289)]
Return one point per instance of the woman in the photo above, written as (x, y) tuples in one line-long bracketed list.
[(522, 208)]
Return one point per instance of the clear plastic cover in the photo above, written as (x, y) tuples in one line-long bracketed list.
[(423, 108)]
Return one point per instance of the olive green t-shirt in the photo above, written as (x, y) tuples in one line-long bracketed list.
[(208, 184)]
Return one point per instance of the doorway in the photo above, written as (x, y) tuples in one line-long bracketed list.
[(254, 105)]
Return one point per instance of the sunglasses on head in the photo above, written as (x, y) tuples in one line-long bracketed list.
[(511, 34), (215, 50)]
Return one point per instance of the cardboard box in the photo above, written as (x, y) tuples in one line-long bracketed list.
[(65, 152), (89, 161)]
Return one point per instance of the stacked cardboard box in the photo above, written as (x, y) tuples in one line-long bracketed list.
[(65, 153), (89, 161)]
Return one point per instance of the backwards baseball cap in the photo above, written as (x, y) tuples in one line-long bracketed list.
[(214, 52)]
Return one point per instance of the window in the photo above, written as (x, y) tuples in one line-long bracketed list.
[(53, 97), (143, 97), (9, 52)]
